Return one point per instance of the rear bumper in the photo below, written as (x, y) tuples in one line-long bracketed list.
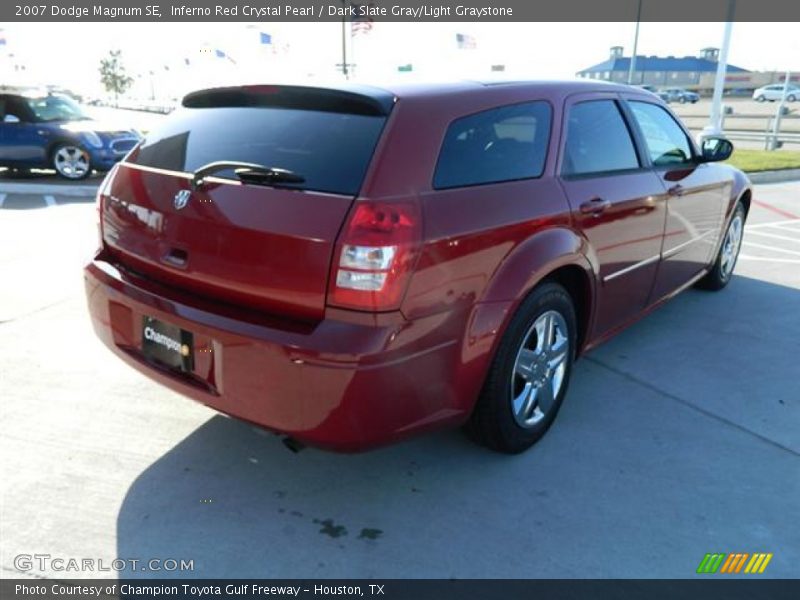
[(349, 382)]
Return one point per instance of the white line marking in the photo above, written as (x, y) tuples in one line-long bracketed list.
[(788, 225), (794, 261), (2, 199), (771, 248), (771, 224), (777, 237), (50, 200)]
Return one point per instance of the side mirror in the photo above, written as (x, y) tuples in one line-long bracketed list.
[(10, 119), (715, 149)]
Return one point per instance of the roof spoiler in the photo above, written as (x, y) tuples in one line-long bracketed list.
[(360, 100)]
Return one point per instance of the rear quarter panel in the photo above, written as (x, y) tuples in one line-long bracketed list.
[(485, 246)]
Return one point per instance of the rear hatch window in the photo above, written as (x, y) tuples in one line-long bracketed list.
[(326, 137)]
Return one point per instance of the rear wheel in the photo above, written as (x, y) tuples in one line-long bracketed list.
[(529, 375), (791, 98), (71, 161), (682, 99), (760, 98), (720, 274)]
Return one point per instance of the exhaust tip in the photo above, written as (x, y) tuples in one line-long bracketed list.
[(293, 445)]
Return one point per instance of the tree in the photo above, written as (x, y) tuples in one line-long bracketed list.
[(113, 75)]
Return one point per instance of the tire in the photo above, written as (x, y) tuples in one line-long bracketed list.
[(760, 98), (513, 412), (721, 272), (682, 99), (791, 98), (71, 161)]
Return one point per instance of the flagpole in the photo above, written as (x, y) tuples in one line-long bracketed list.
[(344, 45)]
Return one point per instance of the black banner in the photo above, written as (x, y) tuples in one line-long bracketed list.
[(401, 10), (711, 588)]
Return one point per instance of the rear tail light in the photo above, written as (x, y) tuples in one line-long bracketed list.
[(102, 192), (375, 256)]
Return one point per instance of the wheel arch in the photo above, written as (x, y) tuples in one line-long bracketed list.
[(558, 254)]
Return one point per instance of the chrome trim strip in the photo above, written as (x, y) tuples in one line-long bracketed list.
[(641, 263), (680, 247), (156, 170)]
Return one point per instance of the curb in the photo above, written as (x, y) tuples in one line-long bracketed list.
[(775, 176), (48, 189)]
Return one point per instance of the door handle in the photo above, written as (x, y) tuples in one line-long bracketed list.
[(594, 206), (676, 190)]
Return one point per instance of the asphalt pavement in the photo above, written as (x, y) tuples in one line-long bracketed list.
[(679, 437)]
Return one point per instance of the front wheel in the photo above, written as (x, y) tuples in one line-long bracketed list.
[(760, 99), (529, 375), (71, 161), (720, 274), (791, 98)]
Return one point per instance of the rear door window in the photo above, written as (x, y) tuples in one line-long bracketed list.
[(598, 140), (501, 144), (330, 149)]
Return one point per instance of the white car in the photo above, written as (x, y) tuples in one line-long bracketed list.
[(775, 93)]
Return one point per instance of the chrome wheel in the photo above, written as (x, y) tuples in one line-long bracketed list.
[(731, 245), (71, 162), (539, 368)]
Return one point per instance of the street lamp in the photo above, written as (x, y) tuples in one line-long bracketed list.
[(632, 68), (714, 126)]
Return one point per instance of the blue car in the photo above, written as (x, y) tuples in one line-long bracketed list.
[(48, 131)]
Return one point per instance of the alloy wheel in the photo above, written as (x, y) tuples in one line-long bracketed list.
[(539, 368), (731, 245)]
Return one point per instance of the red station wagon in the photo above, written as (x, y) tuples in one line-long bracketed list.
[(351, 266)]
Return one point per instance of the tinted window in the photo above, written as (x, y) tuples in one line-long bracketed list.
[(331, 150), (666, 142), (598, 140), (502, 144), (16, 107)]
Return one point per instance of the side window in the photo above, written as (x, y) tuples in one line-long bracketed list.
[(598, 140), (502, 144), (16, 107), (666, 142)]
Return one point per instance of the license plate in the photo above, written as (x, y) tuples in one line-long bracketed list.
[(167, 344)]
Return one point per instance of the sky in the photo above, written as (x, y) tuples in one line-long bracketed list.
[(69, 54)]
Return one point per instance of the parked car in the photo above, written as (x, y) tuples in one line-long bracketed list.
[(52, 131), (679, 95), (774, 93), (351, 266)]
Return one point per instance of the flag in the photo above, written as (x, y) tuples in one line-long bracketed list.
[(361, 23), (465, 42), (265, 38), (405, 68), (187, 62), (221, 54), (3, 37)]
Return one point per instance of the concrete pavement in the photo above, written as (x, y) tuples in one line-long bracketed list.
[(678, 437)]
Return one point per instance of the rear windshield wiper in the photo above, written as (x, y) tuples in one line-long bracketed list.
[(247, 172)]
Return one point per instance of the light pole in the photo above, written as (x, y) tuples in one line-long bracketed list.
[(714, 126), (773, 143), (632, 68)]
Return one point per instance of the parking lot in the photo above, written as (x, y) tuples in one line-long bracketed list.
[(679, 437)]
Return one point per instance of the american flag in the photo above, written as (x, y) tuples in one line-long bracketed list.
[(361, 23), (3, 37), (465, 42)]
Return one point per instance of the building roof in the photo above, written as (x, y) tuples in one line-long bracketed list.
[(659, 64)]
